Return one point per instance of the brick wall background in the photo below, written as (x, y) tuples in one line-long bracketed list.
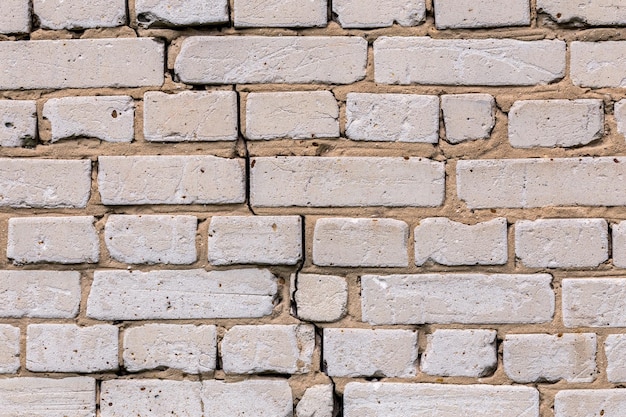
[(280, 208)]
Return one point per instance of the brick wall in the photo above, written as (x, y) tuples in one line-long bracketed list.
[(372, 208)]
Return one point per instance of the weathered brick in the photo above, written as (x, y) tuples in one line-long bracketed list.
[(70, 348), (370, 353), (591, 12), (594, 302), (491, 62), (469, 353), (598, 64), (76, 14), (540, 182), (317, 401), (9, 350), (346, 182), (293, 114), (457, 298), (190, 348), (284, 349), (18, 122), (468, 116), (190, 116), (620, 116), (180, 12), (392, 117), (44, 294), (555, 123), (587, 402), (451, 243), (48, 397), (280, 13), (379, 13), (615, 350), (152, 239), (262, 240), (387, 399), (65, 240), (130, 180), (44, 183), (188, 294), (360, 242), (619, 244), (569, 356), (562, 243), (481, 14), (15, 17), (319, 298), (81, 63), (107, 118), (265, 59), (259, 398)]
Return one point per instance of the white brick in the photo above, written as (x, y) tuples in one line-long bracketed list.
[(15, 17), (18, 122), (346, 182), (65, 240), (591, 12), (130, 180), (284, 349), (263, 240), (620, 116), (392, 117), (587, 403), (319, 298), (47, 397), (370, 353), (77, 14), (619, 244), (181, 12), (468, 116), (569, 356), (152, 239), (317, 401), (615, 350), (44, 294), (451, 243), (48, 184), (188, 294), (150, 397), (69, 348), (528, 183), (190, 116), (562, 243), (259, 398), (598, 64), (81, 63), (192, 349), (594, 302), (379, 13), (555, 123), (295, 115), (492, 62), (280, 13), (9, 350), (457, 298), (470, 353), (265, 59), (360, 242), (424, 400), (481, 13), (107, 118)]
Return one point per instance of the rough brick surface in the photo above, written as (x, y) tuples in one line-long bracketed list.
[(492, 62), (392, 117), (456, 298), (64, 240), (319, 298), (592, 12), (191, 294), (468, 116), (585, 402), (126, 180), (265, 398), (480, 14), (346, 182), (620, 116), (190, 116), (76, 14), (18, 122), (283, 349), (9, 349), (260, 59), (619, 244), (380, 13), (180, 12), (598, 64), (317, 401), (280, 13), (16, 16), (594, 302), (615, 350)]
